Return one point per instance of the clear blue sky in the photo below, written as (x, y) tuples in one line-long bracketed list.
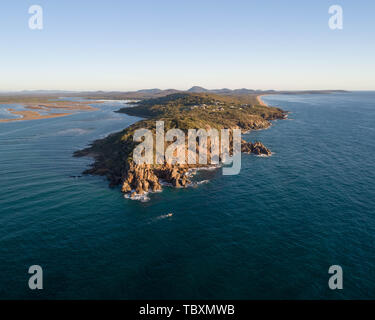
[(128, 45)]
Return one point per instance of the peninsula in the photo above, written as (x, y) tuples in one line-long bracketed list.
[(183, 110)]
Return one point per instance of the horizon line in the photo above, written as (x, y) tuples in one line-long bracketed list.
[(183, 90)]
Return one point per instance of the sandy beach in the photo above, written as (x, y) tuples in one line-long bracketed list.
[(62, 105), (261, 102), (31, 114)]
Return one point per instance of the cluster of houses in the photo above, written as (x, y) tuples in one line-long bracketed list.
[(219, 106)]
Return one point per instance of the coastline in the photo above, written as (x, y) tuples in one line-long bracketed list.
[(261, 102)]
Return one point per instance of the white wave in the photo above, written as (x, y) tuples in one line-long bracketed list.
[(164, 216), (195, 184), (139, 197), (202, 182), (264, 155), (210, 168)]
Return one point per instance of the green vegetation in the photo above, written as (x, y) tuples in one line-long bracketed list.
[(179, 110), (190, 111)]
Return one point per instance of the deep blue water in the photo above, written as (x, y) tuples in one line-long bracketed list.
[(270, 232)]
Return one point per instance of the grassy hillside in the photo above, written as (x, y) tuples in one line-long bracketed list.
[(203, 110)]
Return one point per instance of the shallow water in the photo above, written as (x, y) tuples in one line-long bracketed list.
[(270, 232)]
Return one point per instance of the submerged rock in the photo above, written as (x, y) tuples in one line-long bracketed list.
[(256, 148)]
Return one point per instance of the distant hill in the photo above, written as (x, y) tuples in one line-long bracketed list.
[(197, 89), (152, 91), (148, 93)]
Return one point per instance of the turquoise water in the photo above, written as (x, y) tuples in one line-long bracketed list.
[(270, 232)]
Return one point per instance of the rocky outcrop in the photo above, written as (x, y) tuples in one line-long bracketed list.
[(256, 148), (174, 174), (137, 180), (140, 179), (144, 178)]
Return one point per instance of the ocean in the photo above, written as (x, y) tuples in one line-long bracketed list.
[(271, 232)]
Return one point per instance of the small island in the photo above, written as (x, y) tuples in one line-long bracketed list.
[(185, 110)]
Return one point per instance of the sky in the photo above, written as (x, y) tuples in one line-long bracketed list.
[(130, 45)]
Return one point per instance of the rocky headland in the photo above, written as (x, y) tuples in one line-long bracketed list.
[(114, 154)]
